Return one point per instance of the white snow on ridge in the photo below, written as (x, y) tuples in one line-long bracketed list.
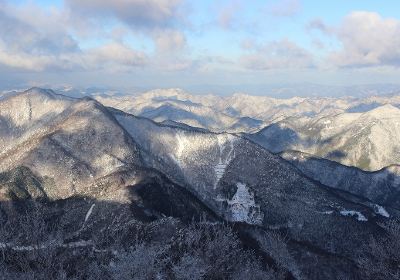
[(360, 217)]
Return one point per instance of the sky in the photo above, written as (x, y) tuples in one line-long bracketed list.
[(199, 44)]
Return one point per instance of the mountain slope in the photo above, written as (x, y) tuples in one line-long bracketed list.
[(367, 140), (74, 142), (241, 181), (381, 187), (57, 148)]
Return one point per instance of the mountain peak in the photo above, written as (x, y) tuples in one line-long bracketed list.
[(170, 93), (36, 94), (40, 92)]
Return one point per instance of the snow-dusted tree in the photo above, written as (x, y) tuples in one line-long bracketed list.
[(140, 262), (273, 244), (190, 267), (252, 270)]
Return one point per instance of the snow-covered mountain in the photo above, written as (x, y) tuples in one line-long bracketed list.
[(238, 112), (179, 106), (368, 140), (78, 147), (73, 142), (353, 131)]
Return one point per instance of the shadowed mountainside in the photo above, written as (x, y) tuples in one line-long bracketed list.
[(382, 187)]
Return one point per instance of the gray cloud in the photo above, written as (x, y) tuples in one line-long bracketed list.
[(29, 43), (228, 12), (159, 20), (282, 54), (285, 8), (318, 24), (115, 55), (22, 36), (135, 13), (169, 40), (32, 45)]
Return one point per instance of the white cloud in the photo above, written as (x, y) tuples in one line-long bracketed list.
[(282, 54), (367, 39)]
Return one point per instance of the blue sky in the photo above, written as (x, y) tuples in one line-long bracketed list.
[(195, 44)]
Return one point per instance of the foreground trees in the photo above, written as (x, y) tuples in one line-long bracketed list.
[(42, 241), (35, 245)]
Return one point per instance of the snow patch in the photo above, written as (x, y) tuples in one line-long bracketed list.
[(219, 171), (243, 207), (89, 212), (226, 154), (381, 211), (360, 217)]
